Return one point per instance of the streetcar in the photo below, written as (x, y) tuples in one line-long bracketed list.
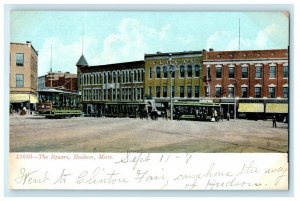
[(187, 110), (134, 109), (58, 103)]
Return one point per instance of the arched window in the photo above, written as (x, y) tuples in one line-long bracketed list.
[(197, 70), (158, 72), (190, 71), (181, 71), (165, 71)]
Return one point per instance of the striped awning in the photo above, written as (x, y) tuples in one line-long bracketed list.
[(277, 108), (251, 107), (20, 98)]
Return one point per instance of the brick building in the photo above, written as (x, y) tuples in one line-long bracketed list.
[(234, 77), (183, 68), (58, 80), (23, 75), (120, 82)]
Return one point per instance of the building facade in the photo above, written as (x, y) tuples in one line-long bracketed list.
[(241, 76), (120, 82), (23, 76), (179, 73), (58, 80)]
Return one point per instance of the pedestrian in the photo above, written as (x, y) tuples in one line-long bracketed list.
[(274, 122), (228, 116)]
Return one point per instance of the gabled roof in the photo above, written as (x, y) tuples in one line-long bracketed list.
[(82, 62)]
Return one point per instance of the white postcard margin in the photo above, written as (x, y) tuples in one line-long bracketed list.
[(149, 171)]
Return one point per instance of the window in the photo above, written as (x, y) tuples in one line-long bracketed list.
[(230, 92), (189, 91), (272, 71), (181, 91), (190, 71), (172, 71), (130, 74), (244, 72), (271, 92), (150, 73), (218, 91), (257, 92), (231, 72), (158, 91), (19, 80), (285, 71), (165, 71), (157, 72), (258, 72), (197, 71), (207, 90), (115, 77), (244, 92), (181, 71), (165, 91), (20, 59), (197, 92), (285, 92), (218, 72), (208, 73)]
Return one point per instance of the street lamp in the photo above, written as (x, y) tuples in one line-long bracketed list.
[(171, 71)]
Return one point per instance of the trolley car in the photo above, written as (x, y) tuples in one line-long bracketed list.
[(54, 103), (138, 109), (197, 111)]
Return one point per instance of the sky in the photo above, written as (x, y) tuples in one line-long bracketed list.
[(106, 37)]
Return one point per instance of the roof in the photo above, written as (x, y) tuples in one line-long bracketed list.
[(161, 54), (82, 61)]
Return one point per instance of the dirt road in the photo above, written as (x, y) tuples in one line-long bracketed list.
[(37, 134)]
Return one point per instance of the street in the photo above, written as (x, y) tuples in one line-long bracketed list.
[(85, 134)]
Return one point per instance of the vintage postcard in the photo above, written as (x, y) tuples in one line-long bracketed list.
[(149, 100)]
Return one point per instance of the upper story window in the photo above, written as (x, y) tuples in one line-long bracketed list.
[(19, 80), (231, 72), (218, 72), (272, 71), (285, 92), (258, 72), (244, 92), (244, 72), (20, 59), (208, 72), (165, 91), (218, 91), (181, 71), (158, 72), (257, 92), (157, 91), (197, 71), (197, 91), (271, 92), (181, 91), (190, 71), (189, 91), (165, 71), (172, 69), (230, 92), (285, 71), (150, 73)]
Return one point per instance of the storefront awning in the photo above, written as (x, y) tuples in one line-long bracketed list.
[(277, 108), (251, 107), (20, 98)]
